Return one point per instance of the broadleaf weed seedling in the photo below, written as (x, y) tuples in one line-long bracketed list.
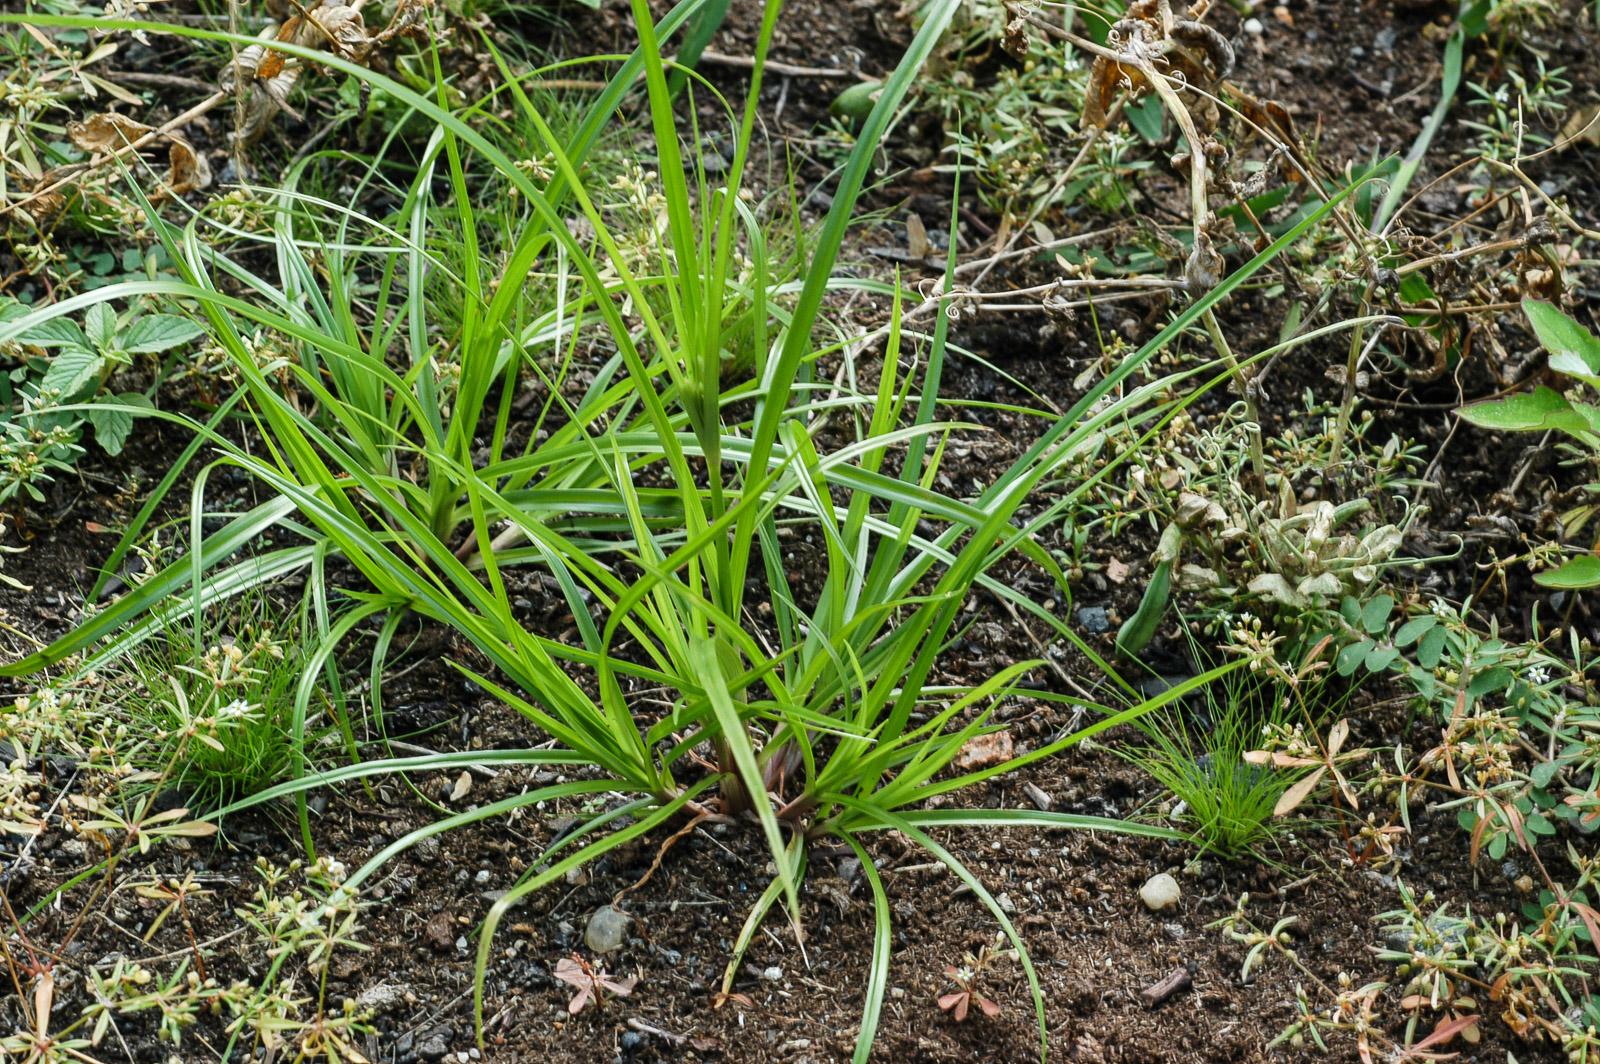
[(1323, 1009), (968, 978)]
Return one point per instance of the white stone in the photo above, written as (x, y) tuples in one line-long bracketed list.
[(1159, 892)]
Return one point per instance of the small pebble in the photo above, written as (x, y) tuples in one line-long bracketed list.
[(1094, 619), (1159, 892), (382, 997), (606, 929), (482, 877), (1253, 27), (773, 974)]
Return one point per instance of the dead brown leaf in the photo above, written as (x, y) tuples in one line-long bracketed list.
[(1582, 128), (272, 63), (187, 169), (410, 20), (1193, 52), (344, 29), (109, 132), (106, 132)]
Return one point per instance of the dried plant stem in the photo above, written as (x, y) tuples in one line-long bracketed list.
[(772, 66), (1348, 402), (1248, 387), (241, 107)]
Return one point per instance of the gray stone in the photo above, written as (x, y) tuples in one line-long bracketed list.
[(607, 929), (435, 1044), (382, 997)]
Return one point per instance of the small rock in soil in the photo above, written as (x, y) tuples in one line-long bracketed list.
[(773, 974), (1038, 797), (441, 931), (382, 997), (607, 929), (435, 1043), (1159, 892), (984, 750), (1094, 619)]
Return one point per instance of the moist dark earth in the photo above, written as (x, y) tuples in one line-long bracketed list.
[(1359, 79)]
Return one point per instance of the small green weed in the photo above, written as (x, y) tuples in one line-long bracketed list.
[(228, 695), (1199, 756), (1575, 354), (57, 382)]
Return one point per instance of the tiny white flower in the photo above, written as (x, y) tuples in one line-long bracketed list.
[(235, 710), (1538, 675)]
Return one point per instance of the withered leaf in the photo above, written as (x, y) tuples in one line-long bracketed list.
[(102, 134), (410, 20), (1198, 56), (1105, 78), (187, 170), (1582, 128), (342, 27), (41, 207), (273, 62), (1268, 115), (106, 132)]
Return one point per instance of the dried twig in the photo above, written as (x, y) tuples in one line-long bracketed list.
[(773, 66)]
